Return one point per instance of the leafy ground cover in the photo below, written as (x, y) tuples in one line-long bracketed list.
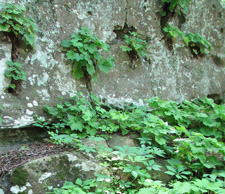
[(189, 136)]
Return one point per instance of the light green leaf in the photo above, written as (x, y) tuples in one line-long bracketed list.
[(78, 57), (66, 43), (170, 173), (78, 72), (106, 65), (90, 69), (126, 48), (29, 39), (13, 86), (170, 168), (181, 187), (134, 173), (70, 55), (4, 28), (77, 44), (160, 140), (91, 48), (79, 182), (75, 124)]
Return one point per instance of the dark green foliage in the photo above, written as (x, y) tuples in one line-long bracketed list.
[(14, 22), (198, 45), (15, 73), (16, 27), (83, 52), (19, 177), (191, 134), (136, 47), (178, 6)]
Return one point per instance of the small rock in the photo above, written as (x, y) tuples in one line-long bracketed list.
[(117, 140)]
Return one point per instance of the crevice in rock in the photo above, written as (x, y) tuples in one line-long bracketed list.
[(126, 11), (168, 15), (163, 23), (216, 97), (88, 84), (53, 9), (15, 43), (218, 60), (14, 138), (121, 31), (181, 19)]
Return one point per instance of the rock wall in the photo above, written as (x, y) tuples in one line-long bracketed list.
[(171, 74)]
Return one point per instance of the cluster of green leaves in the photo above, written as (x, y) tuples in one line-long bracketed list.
[(123, 166), (129, 172), (198, 186), (136, 47), (13, 20), (198, 45), (175, 4), (199, 129), (190, 134), (15, 73), (83, 52), (79, 116)]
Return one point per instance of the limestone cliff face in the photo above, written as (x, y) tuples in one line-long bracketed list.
[(171, 74)]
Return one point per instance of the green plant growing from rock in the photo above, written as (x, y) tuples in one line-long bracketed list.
[(83, 51), (17, 29), (178, 6), (197, 44), (16, 26), (136, 47), (16, 74)]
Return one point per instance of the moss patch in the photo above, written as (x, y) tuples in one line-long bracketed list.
[(19, 177)]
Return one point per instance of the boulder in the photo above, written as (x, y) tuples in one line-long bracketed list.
[(170, 74)]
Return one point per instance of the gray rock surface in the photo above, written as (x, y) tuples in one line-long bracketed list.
[(174, 75), (16, 138), (117, 140), (38, 176)]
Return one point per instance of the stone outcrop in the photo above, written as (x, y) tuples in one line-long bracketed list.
[(171, 74)]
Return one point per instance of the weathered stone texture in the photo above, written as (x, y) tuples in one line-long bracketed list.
[(38, 176), (172, 74)]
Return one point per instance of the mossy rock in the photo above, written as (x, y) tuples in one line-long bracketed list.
[(19, 177)]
